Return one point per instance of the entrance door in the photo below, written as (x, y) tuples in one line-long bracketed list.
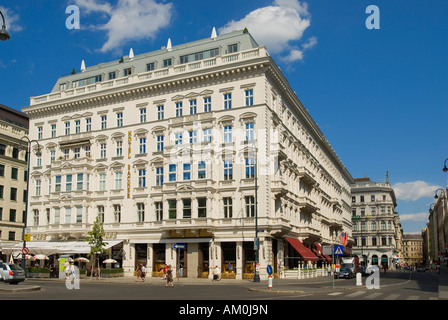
[(182, 262), (141, 254), (203, 260)]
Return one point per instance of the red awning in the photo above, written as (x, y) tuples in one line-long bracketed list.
[(302, 250), (319, 248)]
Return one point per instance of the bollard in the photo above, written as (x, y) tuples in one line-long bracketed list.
[(359, 279), (269, 282)]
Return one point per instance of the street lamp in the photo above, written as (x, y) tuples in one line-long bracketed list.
[(445, 169), (38, 153), (4, 35)]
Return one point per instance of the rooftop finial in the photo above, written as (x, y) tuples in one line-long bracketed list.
[(387, 176), (168, 46), (214, 35), (83, 66), (131, 54)]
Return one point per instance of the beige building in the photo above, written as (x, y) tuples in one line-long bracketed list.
[(438, 229), (184, 153), (13, 175), (377, 230), (413, 249)]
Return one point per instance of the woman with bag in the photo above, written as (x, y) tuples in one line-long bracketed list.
[(169, 277)]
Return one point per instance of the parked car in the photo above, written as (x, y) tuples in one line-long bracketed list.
[(345, 273), (11, 273), (421, 269)]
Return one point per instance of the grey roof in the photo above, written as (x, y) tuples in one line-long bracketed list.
[(138, 64)]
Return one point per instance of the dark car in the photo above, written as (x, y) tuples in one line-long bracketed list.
[(345, 273), (11, 273), (421, 269)]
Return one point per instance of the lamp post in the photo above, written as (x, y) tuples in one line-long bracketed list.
[(27, 192), (445, 169), (4, 35)]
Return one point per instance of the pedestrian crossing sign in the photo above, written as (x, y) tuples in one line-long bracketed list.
[(338, 250)]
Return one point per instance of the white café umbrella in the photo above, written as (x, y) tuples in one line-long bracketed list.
[(82, 259), (110, 261), (41, 257)]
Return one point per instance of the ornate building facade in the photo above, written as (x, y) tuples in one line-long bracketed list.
[(202, 145)]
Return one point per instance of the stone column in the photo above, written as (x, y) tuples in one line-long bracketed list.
[(239, 260)]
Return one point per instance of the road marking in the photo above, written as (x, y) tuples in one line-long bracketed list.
[(335, 293), (373, 295), (412, 298), (392, 296), (433, 298), (355, 294)]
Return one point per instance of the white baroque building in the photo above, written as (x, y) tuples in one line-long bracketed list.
[(198, 144)]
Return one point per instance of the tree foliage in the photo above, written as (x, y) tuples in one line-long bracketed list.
[(95, 238)]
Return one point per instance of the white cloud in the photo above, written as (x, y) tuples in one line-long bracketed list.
[(129, 19), (414, 190), (277, 26), (11, 20), (416, 217)]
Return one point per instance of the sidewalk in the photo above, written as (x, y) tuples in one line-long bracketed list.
[(309, 285), (443, 282)]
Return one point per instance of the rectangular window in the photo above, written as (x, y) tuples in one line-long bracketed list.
[(117, 213), (202, 207), (228, 208), (119, 119), (57, 215), (142, 178), (79, 181), (193, 136), (142, 115), (150, 66), (250, 168), (159, 176), (2, 170), (78, 214), (12, 215), (14, 173), (228, 170), (187, 171), (159, 210), (207, 104), (112, 75), (232, 48), (66, 154), (172, 209), (207, 135), (36, 217), (142, 145), (141, 212), (102, 182), (88, 124), (227, 134), (167, 63), (202, 170), (127, 72), (77, 126), (119, 148), (250, 206), (53, 130), (57, 185), (249, 97), (160, 139), (178, 138), (186, 208), (68, 215), (103, 151), (118, 180), (68, 182), (249, 128), (103, 122), (67, 128), (39, 133), (101, 213), (178, 109), (77, 152), (160, 112), (13, 195), (172, 172), (38, 187), (227, 101), (193, 106)]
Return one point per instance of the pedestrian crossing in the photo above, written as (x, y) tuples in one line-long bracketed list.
[(369, 295)]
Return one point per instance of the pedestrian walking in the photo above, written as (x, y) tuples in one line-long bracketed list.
[(169, 277), (329, 270), (139, 273), (143, 273), (165, 269)]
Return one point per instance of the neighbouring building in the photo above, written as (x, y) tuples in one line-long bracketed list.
[(413, 249), (13, 175), (184, 153), (377, 230), (438, 229)]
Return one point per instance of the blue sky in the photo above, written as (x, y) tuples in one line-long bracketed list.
[(380, 96)]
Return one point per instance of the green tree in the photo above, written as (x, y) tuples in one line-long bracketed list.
[(95, 238)]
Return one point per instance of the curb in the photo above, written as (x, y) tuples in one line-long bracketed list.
[(21, 289)]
